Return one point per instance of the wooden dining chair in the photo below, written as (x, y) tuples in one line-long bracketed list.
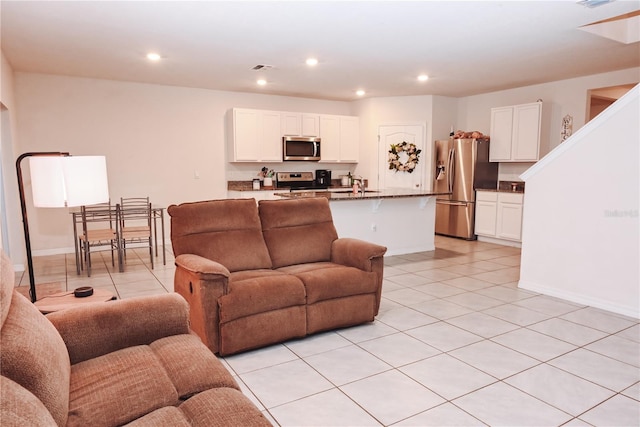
[(135, 217), (99, 229)]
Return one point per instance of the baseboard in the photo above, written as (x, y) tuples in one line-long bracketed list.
[(410, 250), (499, 241), (54, 251), (581, 299)]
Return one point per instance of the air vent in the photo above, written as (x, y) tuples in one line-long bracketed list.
[(262, 67)]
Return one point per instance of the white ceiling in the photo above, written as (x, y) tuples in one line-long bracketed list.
[(466, 47)]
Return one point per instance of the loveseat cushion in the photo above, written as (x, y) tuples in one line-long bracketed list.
[(222, 407), (166, 416), (118, 387), (297, 231), (190, 365), (19, 407), (259, 291), (34, 356), (326, 280), (226, 231)]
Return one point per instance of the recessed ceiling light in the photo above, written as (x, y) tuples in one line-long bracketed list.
[(312, 62), (261, 82), (152, 56), (360, 92), (423, 77)]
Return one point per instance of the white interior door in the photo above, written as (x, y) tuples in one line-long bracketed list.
[(396, 134)]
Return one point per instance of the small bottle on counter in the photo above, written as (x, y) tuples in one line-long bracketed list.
[(256, 184)]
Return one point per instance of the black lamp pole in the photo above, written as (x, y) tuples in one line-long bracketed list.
[(25, 222)]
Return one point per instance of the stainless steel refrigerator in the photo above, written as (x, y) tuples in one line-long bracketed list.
[(462, 166)]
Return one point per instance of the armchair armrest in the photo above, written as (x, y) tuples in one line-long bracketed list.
[(201, 282), (96, 329), (356, 253)]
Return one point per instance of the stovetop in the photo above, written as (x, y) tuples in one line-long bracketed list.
[(298, 181)]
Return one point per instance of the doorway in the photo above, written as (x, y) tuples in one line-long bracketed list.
[(601, 98)]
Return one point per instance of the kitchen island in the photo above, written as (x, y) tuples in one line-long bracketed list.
[(402, 220)]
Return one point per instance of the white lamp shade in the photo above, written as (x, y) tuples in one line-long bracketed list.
[(47, 181), (69, 181)]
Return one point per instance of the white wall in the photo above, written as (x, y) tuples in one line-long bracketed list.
[(10, 212), (154, 138), (580, 227), (561, 97)]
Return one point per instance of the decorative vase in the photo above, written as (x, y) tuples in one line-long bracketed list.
[(268, 182)]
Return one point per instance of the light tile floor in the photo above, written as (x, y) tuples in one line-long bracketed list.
[(456, 343)]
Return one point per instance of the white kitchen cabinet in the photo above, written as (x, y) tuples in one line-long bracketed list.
[(486, 213), (300, 124), (499, 215), (517, 133), (340, 137), (509, 216), (256, 136)]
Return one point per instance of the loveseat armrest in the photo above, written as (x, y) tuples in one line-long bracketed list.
[(201, 282), (96, 329), (356, 253), (364, 255), (201, 266)]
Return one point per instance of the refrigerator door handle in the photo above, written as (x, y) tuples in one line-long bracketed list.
[(444, 202), (450, 169)]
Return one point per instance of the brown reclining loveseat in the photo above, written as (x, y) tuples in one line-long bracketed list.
[(258, 275)]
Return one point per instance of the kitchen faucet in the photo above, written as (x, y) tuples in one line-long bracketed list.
[(359, 182)]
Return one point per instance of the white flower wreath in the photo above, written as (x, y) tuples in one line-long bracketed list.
[(394, 157)]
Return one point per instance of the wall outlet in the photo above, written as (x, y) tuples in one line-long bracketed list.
[(374, 227)]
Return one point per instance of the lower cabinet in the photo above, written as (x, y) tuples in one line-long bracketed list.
[(499, 215)]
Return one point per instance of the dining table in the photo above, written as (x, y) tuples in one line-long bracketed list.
[(157, 213)]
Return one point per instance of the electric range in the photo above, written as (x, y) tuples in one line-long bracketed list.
[(298, 181)]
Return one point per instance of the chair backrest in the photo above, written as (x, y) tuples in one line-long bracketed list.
[(98, 221), (297, 231), (226, 231), (102, 213), (135, 212), (33, 354)]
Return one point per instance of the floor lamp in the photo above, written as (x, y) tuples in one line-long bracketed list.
[(60, 180)]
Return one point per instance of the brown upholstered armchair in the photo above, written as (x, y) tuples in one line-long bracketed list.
[(108, 364), (255, 276)]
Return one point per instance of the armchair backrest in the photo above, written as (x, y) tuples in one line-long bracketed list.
[(32, 355), (226, 231), (297, 231)]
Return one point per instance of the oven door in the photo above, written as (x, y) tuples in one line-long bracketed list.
[(300, 148)]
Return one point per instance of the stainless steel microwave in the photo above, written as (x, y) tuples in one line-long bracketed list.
[(300, 148)]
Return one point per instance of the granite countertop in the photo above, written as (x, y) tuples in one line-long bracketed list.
[(335, 194), (506, 187)]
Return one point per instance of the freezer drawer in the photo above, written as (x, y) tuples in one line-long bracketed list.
[(455, 219)]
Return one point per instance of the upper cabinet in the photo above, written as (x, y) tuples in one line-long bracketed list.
[(517, 133), (340, 138), (300, 124), (256, 135)]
